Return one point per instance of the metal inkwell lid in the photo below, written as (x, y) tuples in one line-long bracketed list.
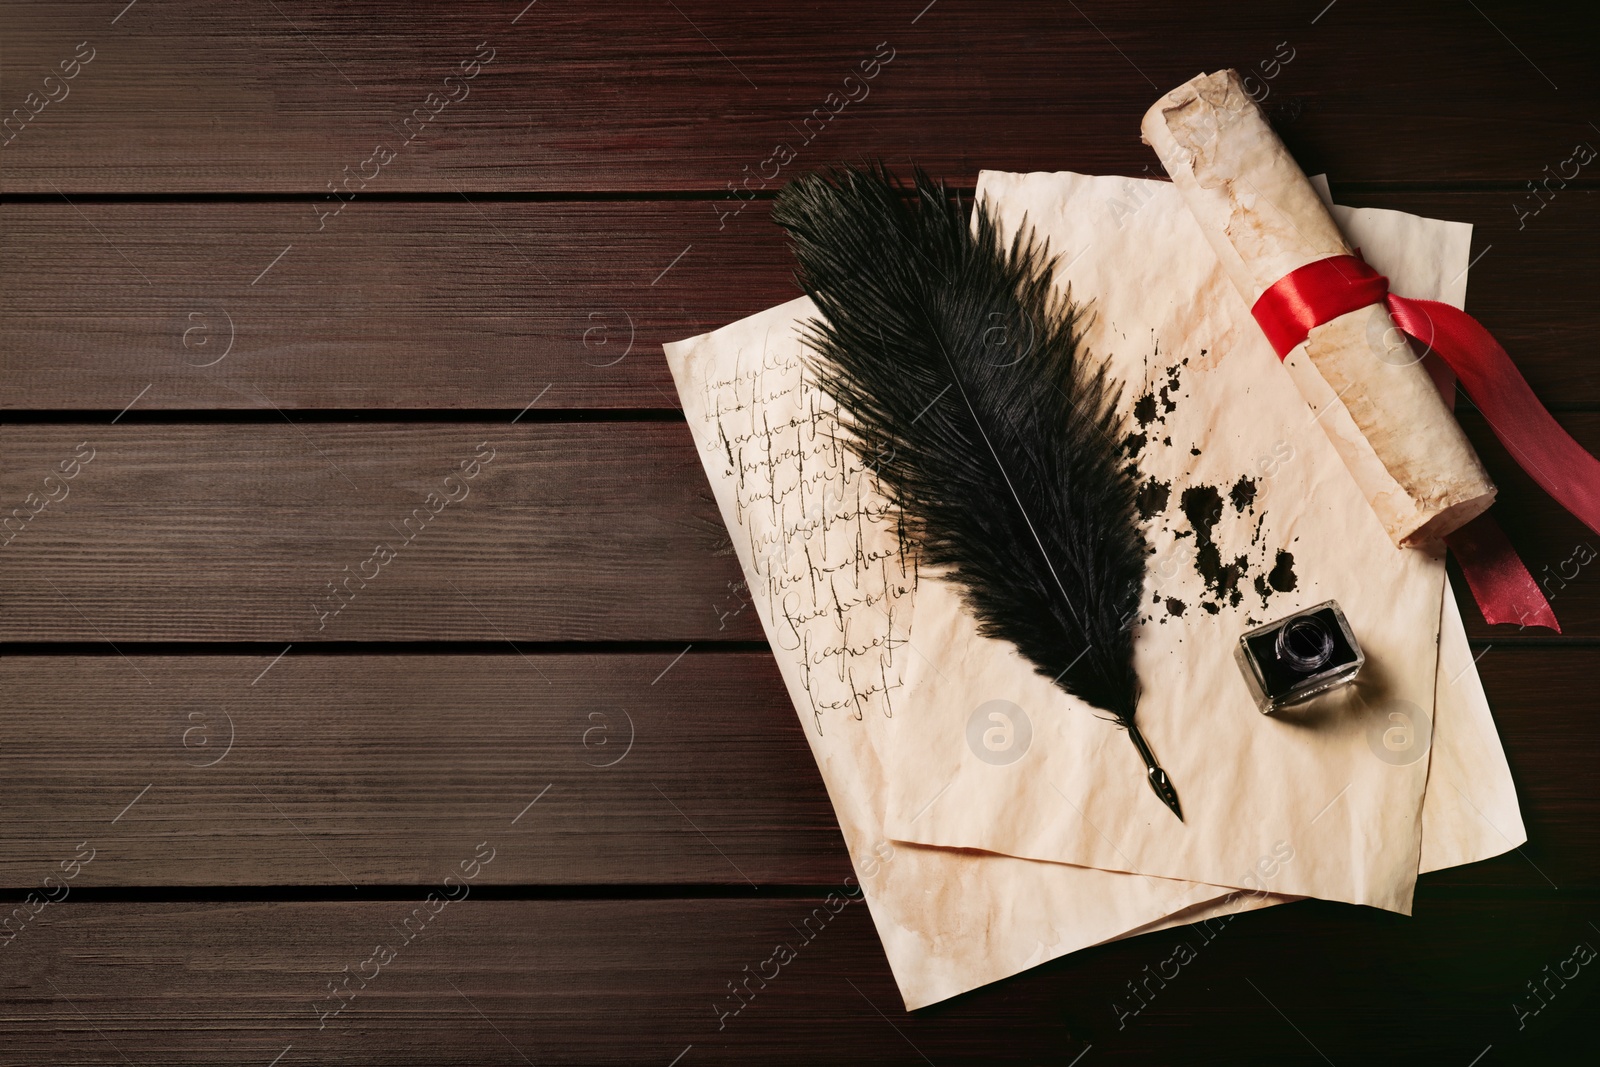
[(1291, 660)]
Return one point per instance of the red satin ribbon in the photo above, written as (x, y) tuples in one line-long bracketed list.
[(1327, 288)]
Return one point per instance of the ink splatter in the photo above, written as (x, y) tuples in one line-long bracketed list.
[(1282, 576), (1153, 497), (1280, 579), (1202, 506), (1243, 493), (1202, 512), (1144, 409)]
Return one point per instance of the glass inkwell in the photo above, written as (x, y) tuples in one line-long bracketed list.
[(1292, 660)]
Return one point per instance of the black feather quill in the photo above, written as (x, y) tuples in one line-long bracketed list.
[(958, 369)]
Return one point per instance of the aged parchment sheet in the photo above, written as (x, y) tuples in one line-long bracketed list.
[(886, 672)]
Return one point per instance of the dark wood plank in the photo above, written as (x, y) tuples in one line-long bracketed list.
[(363, 769), (591, 936), (378, 768), (489, 305), (257, 532), (434, 305), (630, 982), (203, 97), (581, 531)]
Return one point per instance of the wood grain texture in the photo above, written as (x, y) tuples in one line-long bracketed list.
[(642, 982), (574, 531), (257, 532), (435, 305), (463, 305), (363, 769), (236, 206), (202, 97), (379, 768)]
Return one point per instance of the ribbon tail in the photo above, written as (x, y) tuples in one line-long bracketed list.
[(1535, 440), (1499, 581)]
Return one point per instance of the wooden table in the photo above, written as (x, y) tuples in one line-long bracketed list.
[(275, 270)]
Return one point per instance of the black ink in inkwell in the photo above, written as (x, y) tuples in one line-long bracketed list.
[(1292, 660)]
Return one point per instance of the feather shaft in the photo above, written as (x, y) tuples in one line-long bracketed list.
[(1019, 490)]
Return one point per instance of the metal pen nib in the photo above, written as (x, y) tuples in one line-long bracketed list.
[(1159, 782)]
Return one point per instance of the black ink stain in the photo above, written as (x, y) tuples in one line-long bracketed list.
[(1144, 409), (1134, 443), (1153, 498), (1282, 576), (1230, 579), (1175, 606), (1202, 506), (1280, 579), (1243, 493)]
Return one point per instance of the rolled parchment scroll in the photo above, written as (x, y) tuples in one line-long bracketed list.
[(1368, 388)]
